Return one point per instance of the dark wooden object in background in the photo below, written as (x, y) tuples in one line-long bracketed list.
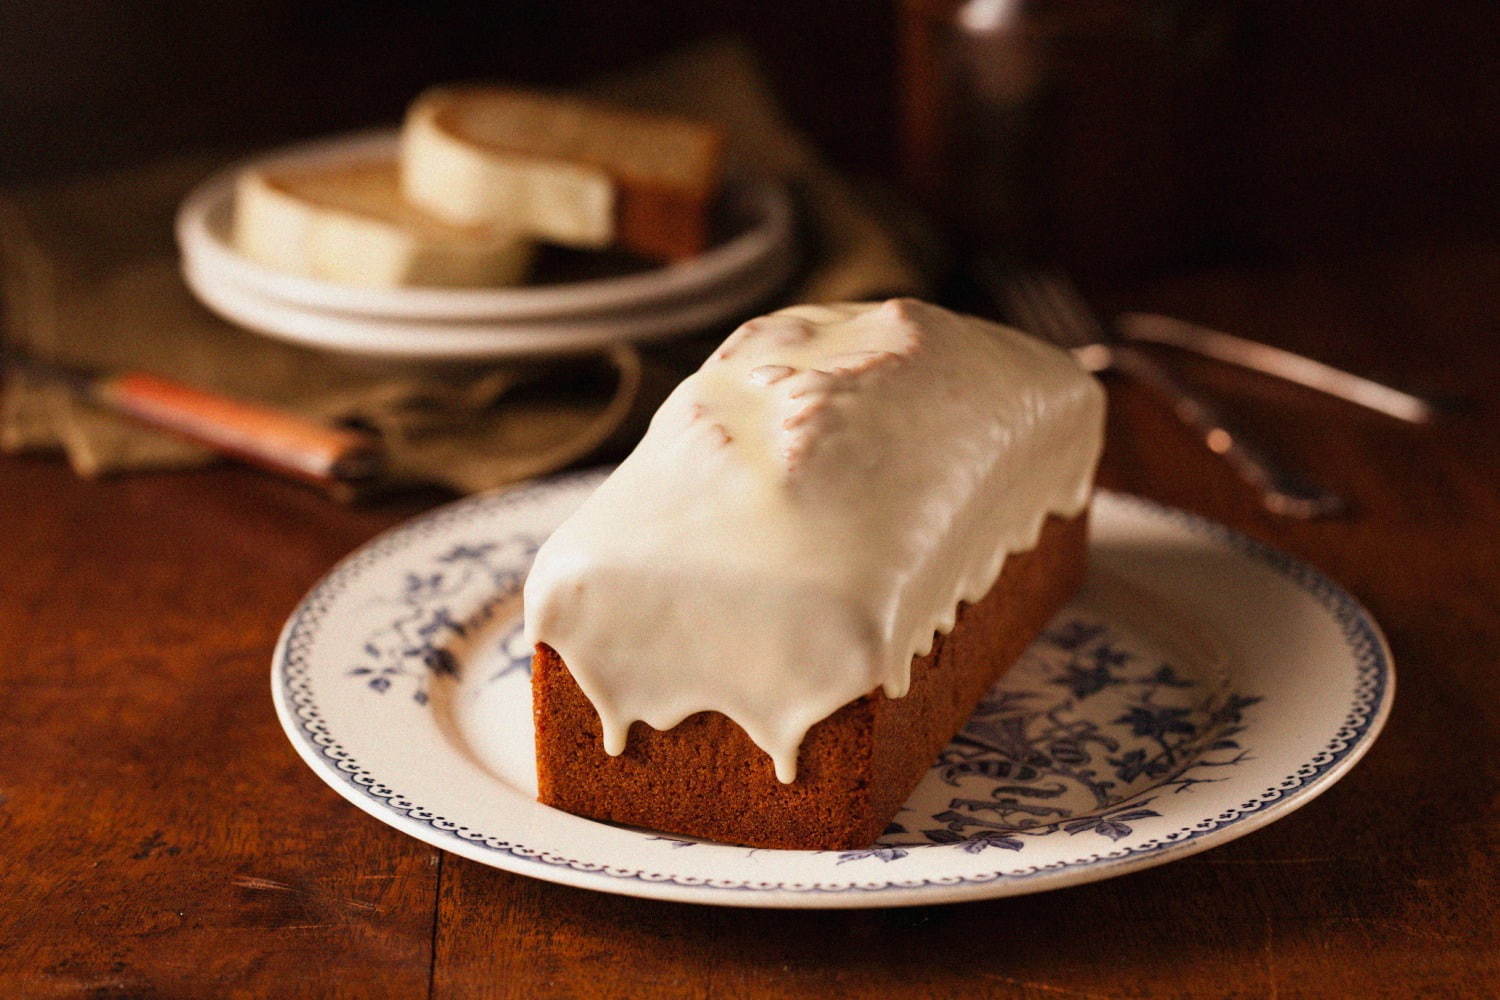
[(159, 837), (1173, 132)]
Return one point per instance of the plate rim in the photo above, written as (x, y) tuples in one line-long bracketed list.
[(1364, 719), (415, 340)]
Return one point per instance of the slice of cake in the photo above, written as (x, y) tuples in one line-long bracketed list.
[(347, 222), (834, 537), (563, 170)]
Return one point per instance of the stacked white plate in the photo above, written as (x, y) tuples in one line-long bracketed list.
[(474, 324)]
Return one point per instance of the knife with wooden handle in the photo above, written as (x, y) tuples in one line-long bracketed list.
[(330, 457)]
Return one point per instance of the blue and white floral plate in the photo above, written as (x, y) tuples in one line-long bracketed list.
[(1200, 686)]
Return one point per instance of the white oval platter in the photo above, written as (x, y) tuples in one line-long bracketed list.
[(1200, 686)]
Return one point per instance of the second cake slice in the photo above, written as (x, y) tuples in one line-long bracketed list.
[(563, 170)]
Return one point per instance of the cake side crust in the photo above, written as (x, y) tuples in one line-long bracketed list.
[(706, 778)]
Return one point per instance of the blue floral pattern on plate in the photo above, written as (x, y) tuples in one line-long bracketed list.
[(425, 639), (1100, 736), (1085, 747), (1082, 739)]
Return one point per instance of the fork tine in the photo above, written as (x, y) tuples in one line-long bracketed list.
[(1030, 311), (1071, 310), (1049, 318), (1046, 305), (1023, 304), (1001, 286)]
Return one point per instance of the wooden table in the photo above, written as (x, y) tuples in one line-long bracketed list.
[(161, 839)]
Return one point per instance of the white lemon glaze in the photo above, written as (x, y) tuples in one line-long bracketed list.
[(806, 510)]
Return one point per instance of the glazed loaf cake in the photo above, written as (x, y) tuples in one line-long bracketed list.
[(562, 170), (764, 625)]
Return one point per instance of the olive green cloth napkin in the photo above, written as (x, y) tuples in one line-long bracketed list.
[(91, 279), (89, 276)]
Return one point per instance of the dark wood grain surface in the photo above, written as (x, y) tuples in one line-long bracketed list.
[(159, 837)]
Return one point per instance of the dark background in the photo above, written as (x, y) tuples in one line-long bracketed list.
[(1319, 177), (1314, 128)]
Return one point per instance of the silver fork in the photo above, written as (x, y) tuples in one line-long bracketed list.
[(1048, 305), (1277, 361)]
